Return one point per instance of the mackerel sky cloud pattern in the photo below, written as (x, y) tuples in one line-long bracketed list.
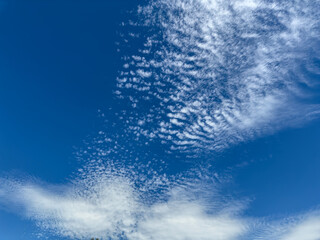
[(221, 72), (209, 74)]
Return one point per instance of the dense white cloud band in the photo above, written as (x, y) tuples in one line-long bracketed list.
[(112, 208)]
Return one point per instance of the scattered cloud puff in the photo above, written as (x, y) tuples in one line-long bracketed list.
[(213, 73), (114, 208)]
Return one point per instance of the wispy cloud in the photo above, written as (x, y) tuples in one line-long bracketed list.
[(300, 226), (215, 73), (210, 74), (73, 211), (178, 220), (115, 207), (308, 229)]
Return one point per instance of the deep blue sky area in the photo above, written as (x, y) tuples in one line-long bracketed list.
[(280, 173), (58, 65)]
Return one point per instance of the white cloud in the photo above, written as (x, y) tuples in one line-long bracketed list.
[(101, 209), (220, 75), (112, 207), (307, 229), (109, 204), (240, 60), (100, 206), (175, 220)]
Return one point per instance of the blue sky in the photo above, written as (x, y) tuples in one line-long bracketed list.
[(139, 120)]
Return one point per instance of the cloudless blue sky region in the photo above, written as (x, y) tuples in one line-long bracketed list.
[(176, 93)]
